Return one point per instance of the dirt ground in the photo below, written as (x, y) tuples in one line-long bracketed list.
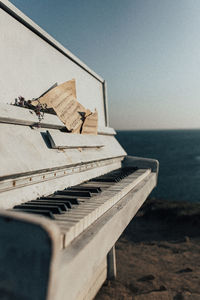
[(158, 255)]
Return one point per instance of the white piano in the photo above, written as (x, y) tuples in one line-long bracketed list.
[(64, 201)]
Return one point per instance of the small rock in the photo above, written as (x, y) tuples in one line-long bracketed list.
[(134, 289), (147, 278), (178, 296), (162, 288), (186, 270)]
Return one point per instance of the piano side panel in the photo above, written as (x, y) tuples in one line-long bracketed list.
[(30, 65), (142, 163), (28, 249)]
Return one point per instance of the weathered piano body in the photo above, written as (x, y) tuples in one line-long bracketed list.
[(70, 256)]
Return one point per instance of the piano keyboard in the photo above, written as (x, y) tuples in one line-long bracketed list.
[(74, 209)]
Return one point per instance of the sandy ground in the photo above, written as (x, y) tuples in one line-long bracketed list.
[(158, 256)]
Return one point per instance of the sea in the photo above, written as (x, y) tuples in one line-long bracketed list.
[(178, 152)]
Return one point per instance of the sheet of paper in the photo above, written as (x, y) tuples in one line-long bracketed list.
[(63, 100), (90, 124)]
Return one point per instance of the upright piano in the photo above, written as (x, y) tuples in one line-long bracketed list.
[(65, 198)]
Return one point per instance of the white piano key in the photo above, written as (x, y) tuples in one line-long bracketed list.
[(73, 222)]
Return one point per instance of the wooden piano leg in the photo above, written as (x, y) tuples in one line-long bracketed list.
[(111, 264)]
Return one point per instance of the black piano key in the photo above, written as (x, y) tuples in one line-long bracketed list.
[(74, 193), (90, 189), (53, 209), (52, 200), (62, 201), (62, 206), (72, 200), (114, 176), (45, 213), (104, 179)]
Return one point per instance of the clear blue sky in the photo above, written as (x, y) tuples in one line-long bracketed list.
[(147, 50)]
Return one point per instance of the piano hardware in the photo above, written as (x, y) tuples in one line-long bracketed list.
[(64, 198)]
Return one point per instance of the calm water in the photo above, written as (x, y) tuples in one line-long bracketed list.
[(178, 152)]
